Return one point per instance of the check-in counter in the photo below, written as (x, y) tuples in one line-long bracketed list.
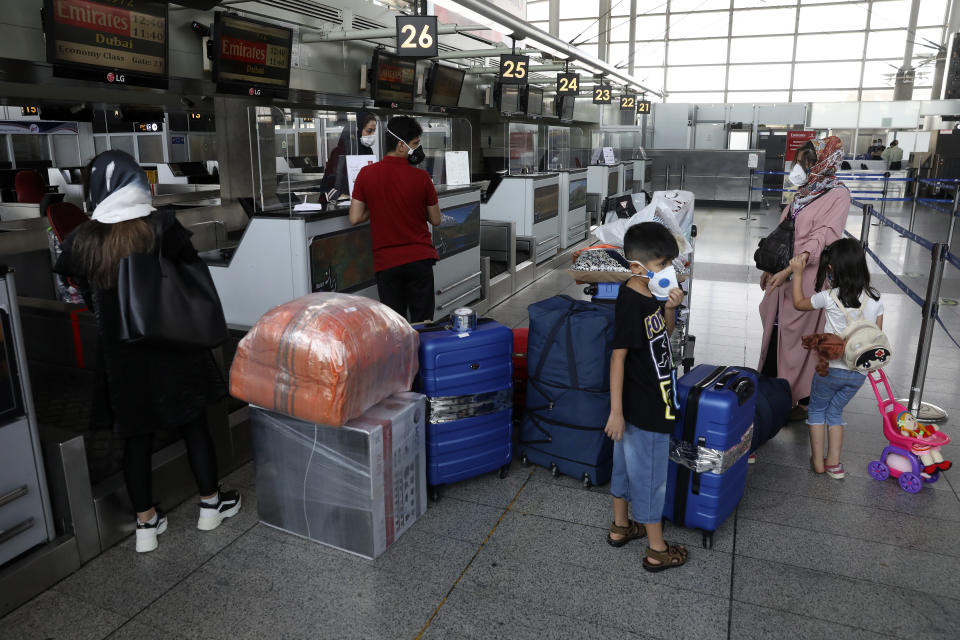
[(281, 257), (457, 276), (498, 250), (532, 203), (574, 224), (603, 181)]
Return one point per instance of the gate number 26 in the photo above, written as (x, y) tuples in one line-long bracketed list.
[(425, 41), (417, 36)]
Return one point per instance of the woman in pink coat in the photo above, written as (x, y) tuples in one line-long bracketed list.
[(820, 211)]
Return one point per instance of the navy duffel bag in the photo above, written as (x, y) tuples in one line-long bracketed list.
[(568, 388)]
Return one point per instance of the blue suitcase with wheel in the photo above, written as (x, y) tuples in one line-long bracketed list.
[(568, 389), (467, 377), (707, 473)]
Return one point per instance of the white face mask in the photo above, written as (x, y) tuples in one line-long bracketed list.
[(661, 282), (798, 176), (369, 141)]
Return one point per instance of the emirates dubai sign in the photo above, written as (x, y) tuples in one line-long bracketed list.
[(114, 41), (252, 57)]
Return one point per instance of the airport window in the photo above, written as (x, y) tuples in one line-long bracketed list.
[(695, 78), (880, 44), (830, 46), (764, 22), (538, 11), (686, 52), (880, 73), (834, 17), (699, 25), (759, 76), (932, 12), (678, 6), (758, 97), (847, 95), (651, 26), (826, 75), (701, 98), (841, 49), (580, 9), (648, 54), (884, 95), (892, 12), (579, 30), (766, 49)]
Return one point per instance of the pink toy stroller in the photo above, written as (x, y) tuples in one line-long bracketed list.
[(898, 459)]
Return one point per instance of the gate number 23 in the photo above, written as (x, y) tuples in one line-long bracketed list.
[(601, 95)]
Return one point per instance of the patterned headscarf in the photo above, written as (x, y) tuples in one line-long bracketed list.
[(118, 188), (822, 176)]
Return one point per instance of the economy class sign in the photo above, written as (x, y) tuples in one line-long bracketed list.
[(124, 41)]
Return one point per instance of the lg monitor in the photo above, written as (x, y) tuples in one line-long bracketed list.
[(444, 86)]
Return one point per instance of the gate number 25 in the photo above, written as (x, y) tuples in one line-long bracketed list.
[(515, 69)]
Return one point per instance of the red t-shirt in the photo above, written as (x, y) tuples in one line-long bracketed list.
[(397, 195)]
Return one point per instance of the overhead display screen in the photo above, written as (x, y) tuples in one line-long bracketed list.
[(118, 41), (394, 80), (252, 57), (445, 86)]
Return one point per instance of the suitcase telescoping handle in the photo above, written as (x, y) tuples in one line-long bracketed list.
[(744, 388)]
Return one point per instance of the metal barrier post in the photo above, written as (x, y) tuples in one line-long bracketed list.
[(883, 197), (865, 225), (913, 209), (683, 175), (953, 217), (666, 182), (931, 308), (749, 196)]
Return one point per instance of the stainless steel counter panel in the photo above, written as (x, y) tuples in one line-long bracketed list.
[(19, 211), (710, 174)]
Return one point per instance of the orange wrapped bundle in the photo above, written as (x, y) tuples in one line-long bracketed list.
[(325, 358)]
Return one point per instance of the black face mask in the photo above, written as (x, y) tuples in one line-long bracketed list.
[(416, 156)]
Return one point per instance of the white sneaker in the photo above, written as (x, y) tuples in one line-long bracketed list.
[(147, 533), (211, 515)]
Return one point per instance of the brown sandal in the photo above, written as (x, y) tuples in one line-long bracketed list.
[(674, 556), (632, 531)]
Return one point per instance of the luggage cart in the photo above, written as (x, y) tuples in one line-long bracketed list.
[(682, 342)]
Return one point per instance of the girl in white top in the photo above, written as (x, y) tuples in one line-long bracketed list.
[(843, 265)]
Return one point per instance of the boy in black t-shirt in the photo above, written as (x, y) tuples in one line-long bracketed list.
[(643, 403)]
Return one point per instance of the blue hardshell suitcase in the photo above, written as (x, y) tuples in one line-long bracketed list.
[(607, 291), (467, 378), (568, 389), (707, 473)]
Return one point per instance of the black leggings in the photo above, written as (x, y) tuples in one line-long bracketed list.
[(138, 470)]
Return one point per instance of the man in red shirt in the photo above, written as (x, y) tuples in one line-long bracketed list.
[(398, 199)]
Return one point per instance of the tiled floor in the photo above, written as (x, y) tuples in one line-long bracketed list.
[(805, 556)]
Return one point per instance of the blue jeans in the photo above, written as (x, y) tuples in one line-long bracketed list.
[(640, 472), (831, 393)]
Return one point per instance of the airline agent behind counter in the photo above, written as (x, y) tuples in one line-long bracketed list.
[(399, 199)]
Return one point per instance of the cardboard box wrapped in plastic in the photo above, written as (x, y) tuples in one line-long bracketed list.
[(357, 487)]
